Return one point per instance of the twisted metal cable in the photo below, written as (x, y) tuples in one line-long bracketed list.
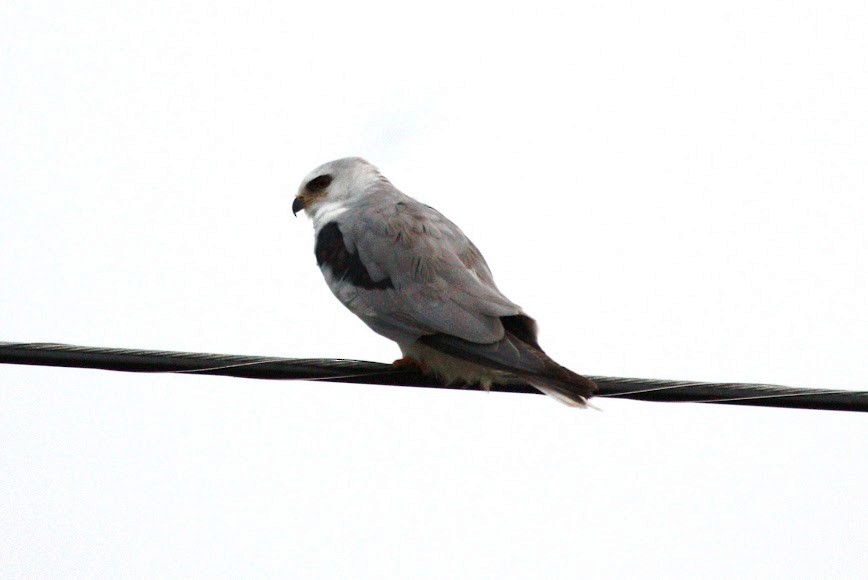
[(362, 372)]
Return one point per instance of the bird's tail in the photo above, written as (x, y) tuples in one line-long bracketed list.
[(522, 360), (563, 384)]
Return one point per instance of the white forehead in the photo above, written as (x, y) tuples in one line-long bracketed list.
[(351, 169)]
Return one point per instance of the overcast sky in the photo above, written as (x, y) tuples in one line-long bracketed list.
[(673, 190)]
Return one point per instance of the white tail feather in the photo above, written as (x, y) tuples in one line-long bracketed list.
[(568, 399)]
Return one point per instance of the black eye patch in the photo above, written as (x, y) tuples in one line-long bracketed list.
[(318, 184)]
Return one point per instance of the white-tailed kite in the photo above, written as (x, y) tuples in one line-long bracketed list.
[(414, 277)]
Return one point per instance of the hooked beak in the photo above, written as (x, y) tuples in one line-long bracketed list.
[(297, 205)]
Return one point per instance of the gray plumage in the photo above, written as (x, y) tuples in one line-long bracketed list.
[(413, 276)]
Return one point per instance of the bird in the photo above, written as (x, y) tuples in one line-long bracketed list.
[(413, 277)]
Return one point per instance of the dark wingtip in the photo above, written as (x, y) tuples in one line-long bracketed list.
[(521, 359)]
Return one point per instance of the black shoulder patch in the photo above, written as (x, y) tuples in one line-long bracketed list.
[(522, 327), (331, 251)]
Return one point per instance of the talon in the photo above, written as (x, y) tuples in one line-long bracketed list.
[(408, 363)]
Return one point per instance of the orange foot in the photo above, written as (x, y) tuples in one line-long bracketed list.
[(408, 363)]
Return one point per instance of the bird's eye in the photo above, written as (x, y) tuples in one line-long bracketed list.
[(317, 184)]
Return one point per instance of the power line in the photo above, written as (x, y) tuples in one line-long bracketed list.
[(362, 372)]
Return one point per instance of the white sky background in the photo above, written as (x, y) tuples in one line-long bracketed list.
[(673, 191)]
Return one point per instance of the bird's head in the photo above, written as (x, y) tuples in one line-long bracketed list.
[(335, 182)]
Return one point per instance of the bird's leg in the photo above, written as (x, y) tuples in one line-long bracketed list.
[(409, 363)]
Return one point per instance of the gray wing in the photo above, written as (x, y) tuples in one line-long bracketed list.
[(440, 281), (424, 280)]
